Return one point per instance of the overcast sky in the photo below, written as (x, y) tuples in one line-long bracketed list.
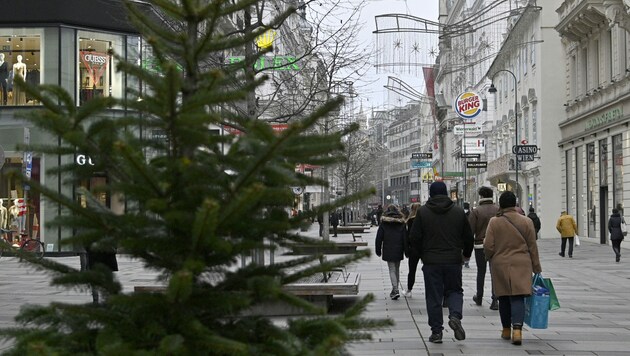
[(375, 95)]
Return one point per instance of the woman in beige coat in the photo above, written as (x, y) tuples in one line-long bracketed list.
[(510, 246)]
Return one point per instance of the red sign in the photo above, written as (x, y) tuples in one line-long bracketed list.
[(235, 131)]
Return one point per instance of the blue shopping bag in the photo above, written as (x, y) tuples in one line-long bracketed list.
[(537, 305)]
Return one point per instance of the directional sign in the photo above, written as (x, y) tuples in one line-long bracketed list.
[(422, 155), (525, 149), (470, 155), (474, 145), (477, 164), (468, 129), (525, 158), (420, 164)]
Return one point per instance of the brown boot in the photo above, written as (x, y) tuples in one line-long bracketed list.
[(517, 335), (506, 333)]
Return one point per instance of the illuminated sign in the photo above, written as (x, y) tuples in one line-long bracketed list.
[(468, 105), (266, 39), (273, 63), (82, 160)]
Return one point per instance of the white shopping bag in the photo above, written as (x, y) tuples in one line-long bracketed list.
[(577, 240)]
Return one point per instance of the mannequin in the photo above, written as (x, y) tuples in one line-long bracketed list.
[(4, 215), (4, 74), (14, 211), (19, 70)]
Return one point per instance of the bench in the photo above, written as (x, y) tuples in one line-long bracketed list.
[(349, 229), (342, 247)]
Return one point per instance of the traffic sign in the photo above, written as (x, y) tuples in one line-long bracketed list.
[(477, 164), (525, 149)]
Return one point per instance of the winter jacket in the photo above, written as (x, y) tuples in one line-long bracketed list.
[(409, 251), (512, 252), (566, 226), (390, 237), (535, 220), (614, 227), (440, 233), (479, 218)]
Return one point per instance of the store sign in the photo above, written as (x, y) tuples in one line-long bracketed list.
[(474, 145), (273, 63), (607, 117), (474, 130), (83, 160), (468, 105), (275, 127), (420, 164)]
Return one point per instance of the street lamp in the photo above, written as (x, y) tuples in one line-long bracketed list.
[(493, 90)]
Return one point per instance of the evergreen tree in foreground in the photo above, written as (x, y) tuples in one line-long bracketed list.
[(191, 209)]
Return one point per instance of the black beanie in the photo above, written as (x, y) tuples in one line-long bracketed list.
[(437, 188), (507, 200)]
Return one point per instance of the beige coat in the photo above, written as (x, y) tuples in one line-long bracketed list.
[(513, 256)]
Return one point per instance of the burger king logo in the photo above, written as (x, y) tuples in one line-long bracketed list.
[(468, 105)]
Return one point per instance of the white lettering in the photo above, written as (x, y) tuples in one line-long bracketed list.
[(92, 58), (83, 160)]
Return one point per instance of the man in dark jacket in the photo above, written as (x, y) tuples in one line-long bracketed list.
[(478, 220), (334, 222), (441, 236), (535, 219)]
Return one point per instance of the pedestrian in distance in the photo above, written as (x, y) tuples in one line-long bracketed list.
[(567, 228), (467, 211), (478, 219), (616, 234), (320, 221), (535, 219), (379, 213), (390, 244), (510, 246), (334, 222), (412, 257), (441, 236)]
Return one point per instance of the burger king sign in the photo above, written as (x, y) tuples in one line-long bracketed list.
[(468, 105)]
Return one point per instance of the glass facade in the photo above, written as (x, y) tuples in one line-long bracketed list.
[(97, 65)]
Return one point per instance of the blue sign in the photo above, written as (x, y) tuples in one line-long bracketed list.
[(420, 164)]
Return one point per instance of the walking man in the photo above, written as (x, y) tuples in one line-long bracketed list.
[(567, 228), (334, 222), (478, 220), (441, 236)]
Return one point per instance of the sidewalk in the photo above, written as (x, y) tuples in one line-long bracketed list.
[(594, 293)]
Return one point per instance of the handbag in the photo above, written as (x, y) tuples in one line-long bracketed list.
[(577, 240), (537, 304), (624, 228)]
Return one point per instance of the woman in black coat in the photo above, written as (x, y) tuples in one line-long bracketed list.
[(412, 256), (616, 235), (390, 243)]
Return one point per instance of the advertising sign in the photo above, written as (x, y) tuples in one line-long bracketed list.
[(474, 145), (472, 130), (468, 105)]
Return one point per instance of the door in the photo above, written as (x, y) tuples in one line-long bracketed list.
[(603, 214)]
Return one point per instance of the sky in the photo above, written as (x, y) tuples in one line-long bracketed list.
[(375, 94)]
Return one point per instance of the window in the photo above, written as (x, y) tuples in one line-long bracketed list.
[(97, 74), (617, 153), (534, 125), (20, 55), (532, 51)]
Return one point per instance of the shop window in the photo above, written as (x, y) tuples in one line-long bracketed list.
[(20, 55), (97, 72)]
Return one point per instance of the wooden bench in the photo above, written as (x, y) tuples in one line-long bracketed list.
[(342, 247), (349, 229)]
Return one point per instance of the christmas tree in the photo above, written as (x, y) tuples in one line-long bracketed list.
[(196, 203)]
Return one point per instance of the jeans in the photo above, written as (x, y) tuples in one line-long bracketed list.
[(394, 273), (480, 260), (413, 267), (564, 244), (512, 310), (443, 281)]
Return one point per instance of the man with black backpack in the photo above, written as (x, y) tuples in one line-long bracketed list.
[(532, 215)]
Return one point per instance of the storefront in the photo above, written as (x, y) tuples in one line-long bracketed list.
[(70, 44)]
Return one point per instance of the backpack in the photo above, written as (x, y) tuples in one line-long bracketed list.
[(536, 221)]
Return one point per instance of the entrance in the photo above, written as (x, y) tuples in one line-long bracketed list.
[(603, 214)]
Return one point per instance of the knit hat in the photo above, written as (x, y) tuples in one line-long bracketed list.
[(437, 188)]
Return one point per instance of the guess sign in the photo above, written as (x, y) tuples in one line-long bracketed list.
[(95, 63)]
